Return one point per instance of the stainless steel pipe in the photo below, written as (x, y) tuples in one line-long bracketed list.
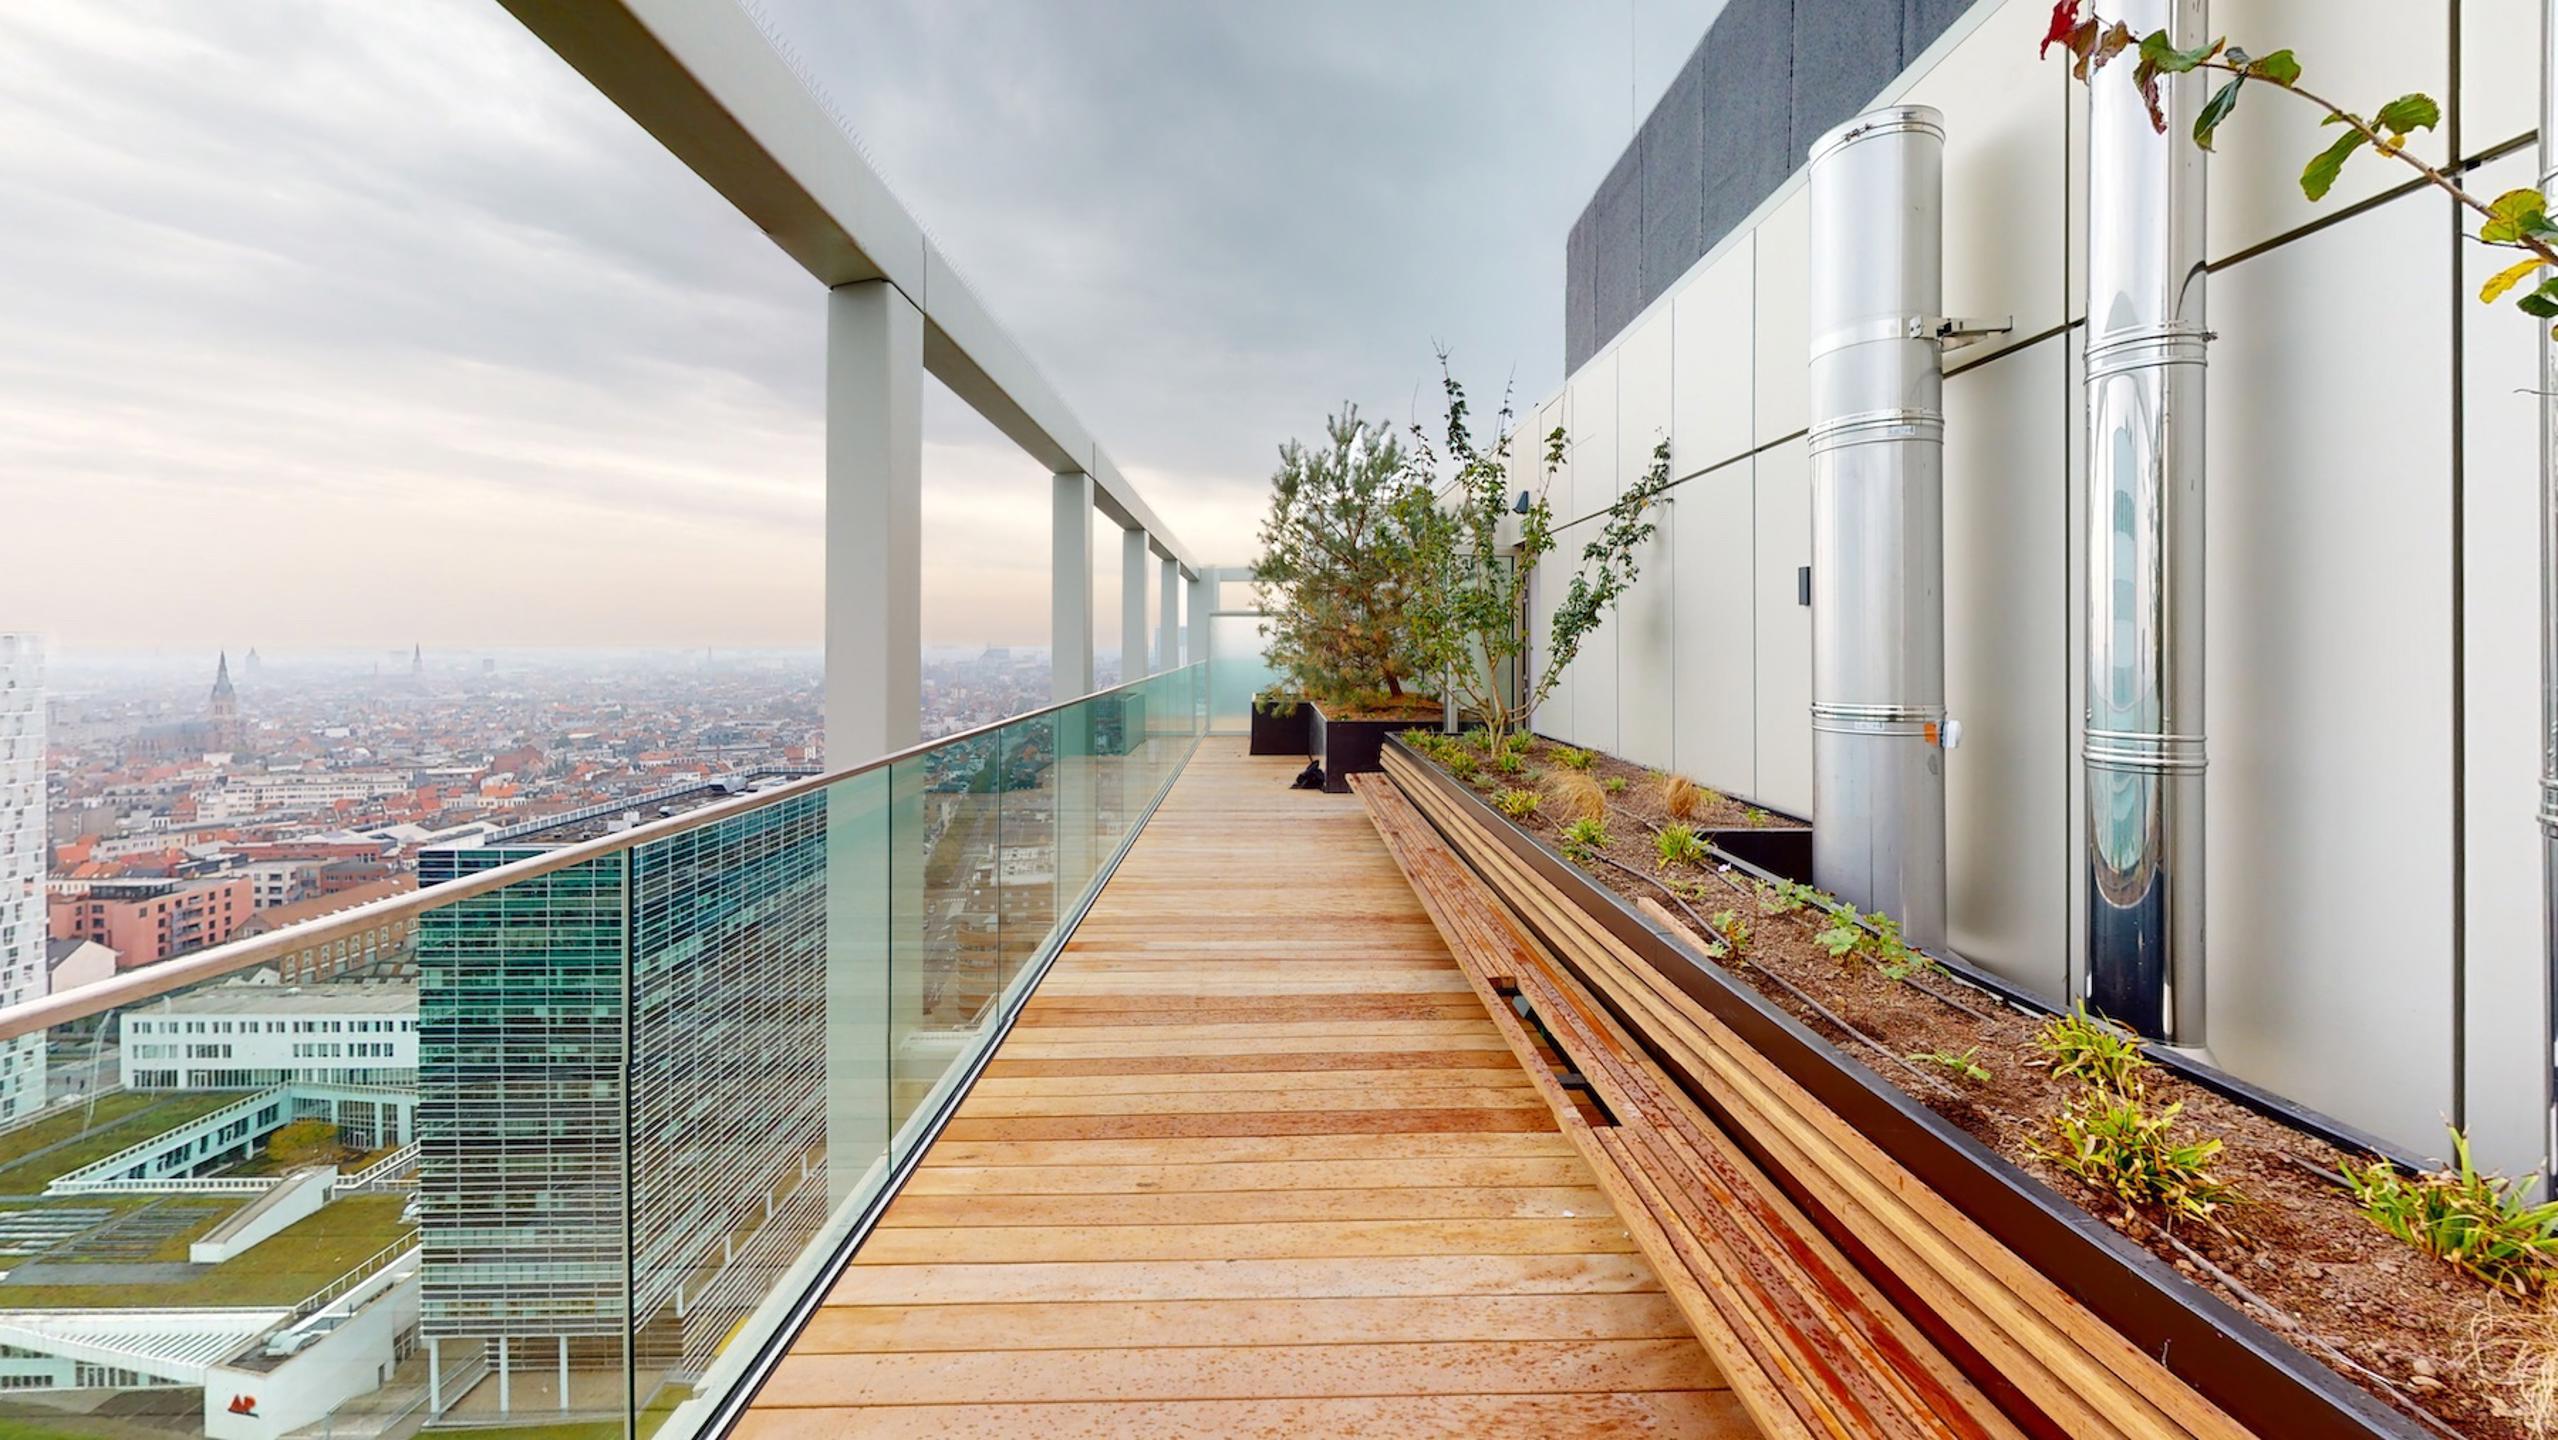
[(2549, 627), (1878, 516), (2143, 727)]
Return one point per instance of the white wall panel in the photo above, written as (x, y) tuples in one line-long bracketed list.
[(1644, 368), (2358, 53), (1711, 406), (1554, 716), (1593, 437), (2330, 677), (1715, 684), (2507, 982), (1646, 626), (2006, 623), (2006, 174), (1594, 670), (2499, 77), (1781, 320), (1783, 628)]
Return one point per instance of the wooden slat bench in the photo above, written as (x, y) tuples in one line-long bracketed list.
[(1812, 1344)]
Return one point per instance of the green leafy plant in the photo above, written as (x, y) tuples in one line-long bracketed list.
[(2093, 1051), (1614, 784), (1893, 957), (2116, 1144), (1677, 844), (1340, 564), (1783, 897), (1734, 930), (1480, 554), (1571, 759), (1584, 838), (1843, 934), (1509, 762), (1965, 1063), (2517, 220), (1755, 815), (2484, 1224), (1460, 762), (1517, 804)]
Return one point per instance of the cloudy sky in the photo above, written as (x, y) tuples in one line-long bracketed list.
[(352, 322)]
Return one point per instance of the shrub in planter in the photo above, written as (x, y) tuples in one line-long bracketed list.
[(1339, 564)]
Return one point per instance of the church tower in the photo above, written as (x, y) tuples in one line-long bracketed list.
[(223, 709)]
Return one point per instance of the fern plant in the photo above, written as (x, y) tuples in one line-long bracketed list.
[(1678, 844), (2115, 1143), (1584, 838), (2092, 1050), (2484, 1224)]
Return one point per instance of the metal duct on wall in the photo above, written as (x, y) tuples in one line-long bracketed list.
[(2549, 625), (1878, 516), (2143, 725)]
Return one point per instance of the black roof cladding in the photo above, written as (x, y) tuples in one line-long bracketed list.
[(1768, 78)]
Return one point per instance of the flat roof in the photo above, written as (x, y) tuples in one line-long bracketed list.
[(376, 998)]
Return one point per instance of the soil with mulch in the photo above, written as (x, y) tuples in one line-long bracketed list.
[(2298, 1255), (1409, 707)]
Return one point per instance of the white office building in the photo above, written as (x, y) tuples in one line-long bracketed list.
[(239, 1037), (22, 864)]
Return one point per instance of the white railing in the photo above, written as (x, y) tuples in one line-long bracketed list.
[(98, 1176), (382, 1174)]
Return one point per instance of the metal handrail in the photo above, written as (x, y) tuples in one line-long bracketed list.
[(151, 981)]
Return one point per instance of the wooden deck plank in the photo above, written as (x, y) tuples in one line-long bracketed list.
[(1255, 1161)]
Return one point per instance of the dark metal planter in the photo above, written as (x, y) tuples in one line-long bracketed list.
[(1784, 851), (1287, 733), (1351, 747), (2258, 1378)]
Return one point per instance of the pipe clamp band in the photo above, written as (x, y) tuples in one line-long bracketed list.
[(1840, 719), (1894, 120), (2146, 347), (2549, 806), (2144, 752), (1876, 427), (1875, 330)]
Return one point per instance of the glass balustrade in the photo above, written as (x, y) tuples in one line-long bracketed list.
[(565, 1139)]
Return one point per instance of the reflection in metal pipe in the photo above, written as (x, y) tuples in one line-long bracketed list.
[(2143, 737), (1878, 523)]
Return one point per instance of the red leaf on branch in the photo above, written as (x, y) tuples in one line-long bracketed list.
[(2064, 20)]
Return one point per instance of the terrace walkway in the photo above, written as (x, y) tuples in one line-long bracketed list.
[(1254, 1162)]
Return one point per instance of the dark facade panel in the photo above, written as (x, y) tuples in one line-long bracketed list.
[(1617, 235), (1580, 292), (1844, 54), (1923, 20), (1768, 78), (1673, 143), (1749, 108)]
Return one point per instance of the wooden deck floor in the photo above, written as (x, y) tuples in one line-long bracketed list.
[(1253, 1163)]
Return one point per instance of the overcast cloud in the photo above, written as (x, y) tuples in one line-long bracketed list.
[(355, 323)]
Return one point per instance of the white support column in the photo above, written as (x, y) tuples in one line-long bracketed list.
[(563, 1372), (505, 1380), (1168, 621), (1196, 607), (1132, 606), (1070, 588), (874, 522)]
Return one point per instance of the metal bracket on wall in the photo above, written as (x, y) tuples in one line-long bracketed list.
[(1953, 332)]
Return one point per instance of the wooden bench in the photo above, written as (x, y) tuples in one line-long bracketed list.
[(1812, 1344)]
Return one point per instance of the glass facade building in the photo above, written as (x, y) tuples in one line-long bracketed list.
[(622, 1095)]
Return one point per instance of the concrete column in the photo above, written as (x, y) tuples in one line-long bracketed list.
[(1168, 622), (1132, 607), (874, 522), (563, 1372), (505, 1380), (1070, 588)]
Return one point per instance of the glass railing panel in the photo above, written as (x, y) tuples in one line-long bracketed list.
[(562, 1149), (1238, 668)]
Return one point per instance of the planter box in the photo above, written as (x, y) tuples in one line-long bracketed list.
[(1350, 747), (1288, 734), (1784, 851), (2253, 1375)]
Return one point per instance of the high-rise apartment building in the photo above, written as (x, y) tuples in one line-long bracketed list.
[(22, 863), (622, 1058)]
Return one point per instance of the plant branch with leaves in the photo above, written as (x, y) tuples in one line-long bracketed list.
[(1469, 618), (1338, 565), (2517, 220)]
